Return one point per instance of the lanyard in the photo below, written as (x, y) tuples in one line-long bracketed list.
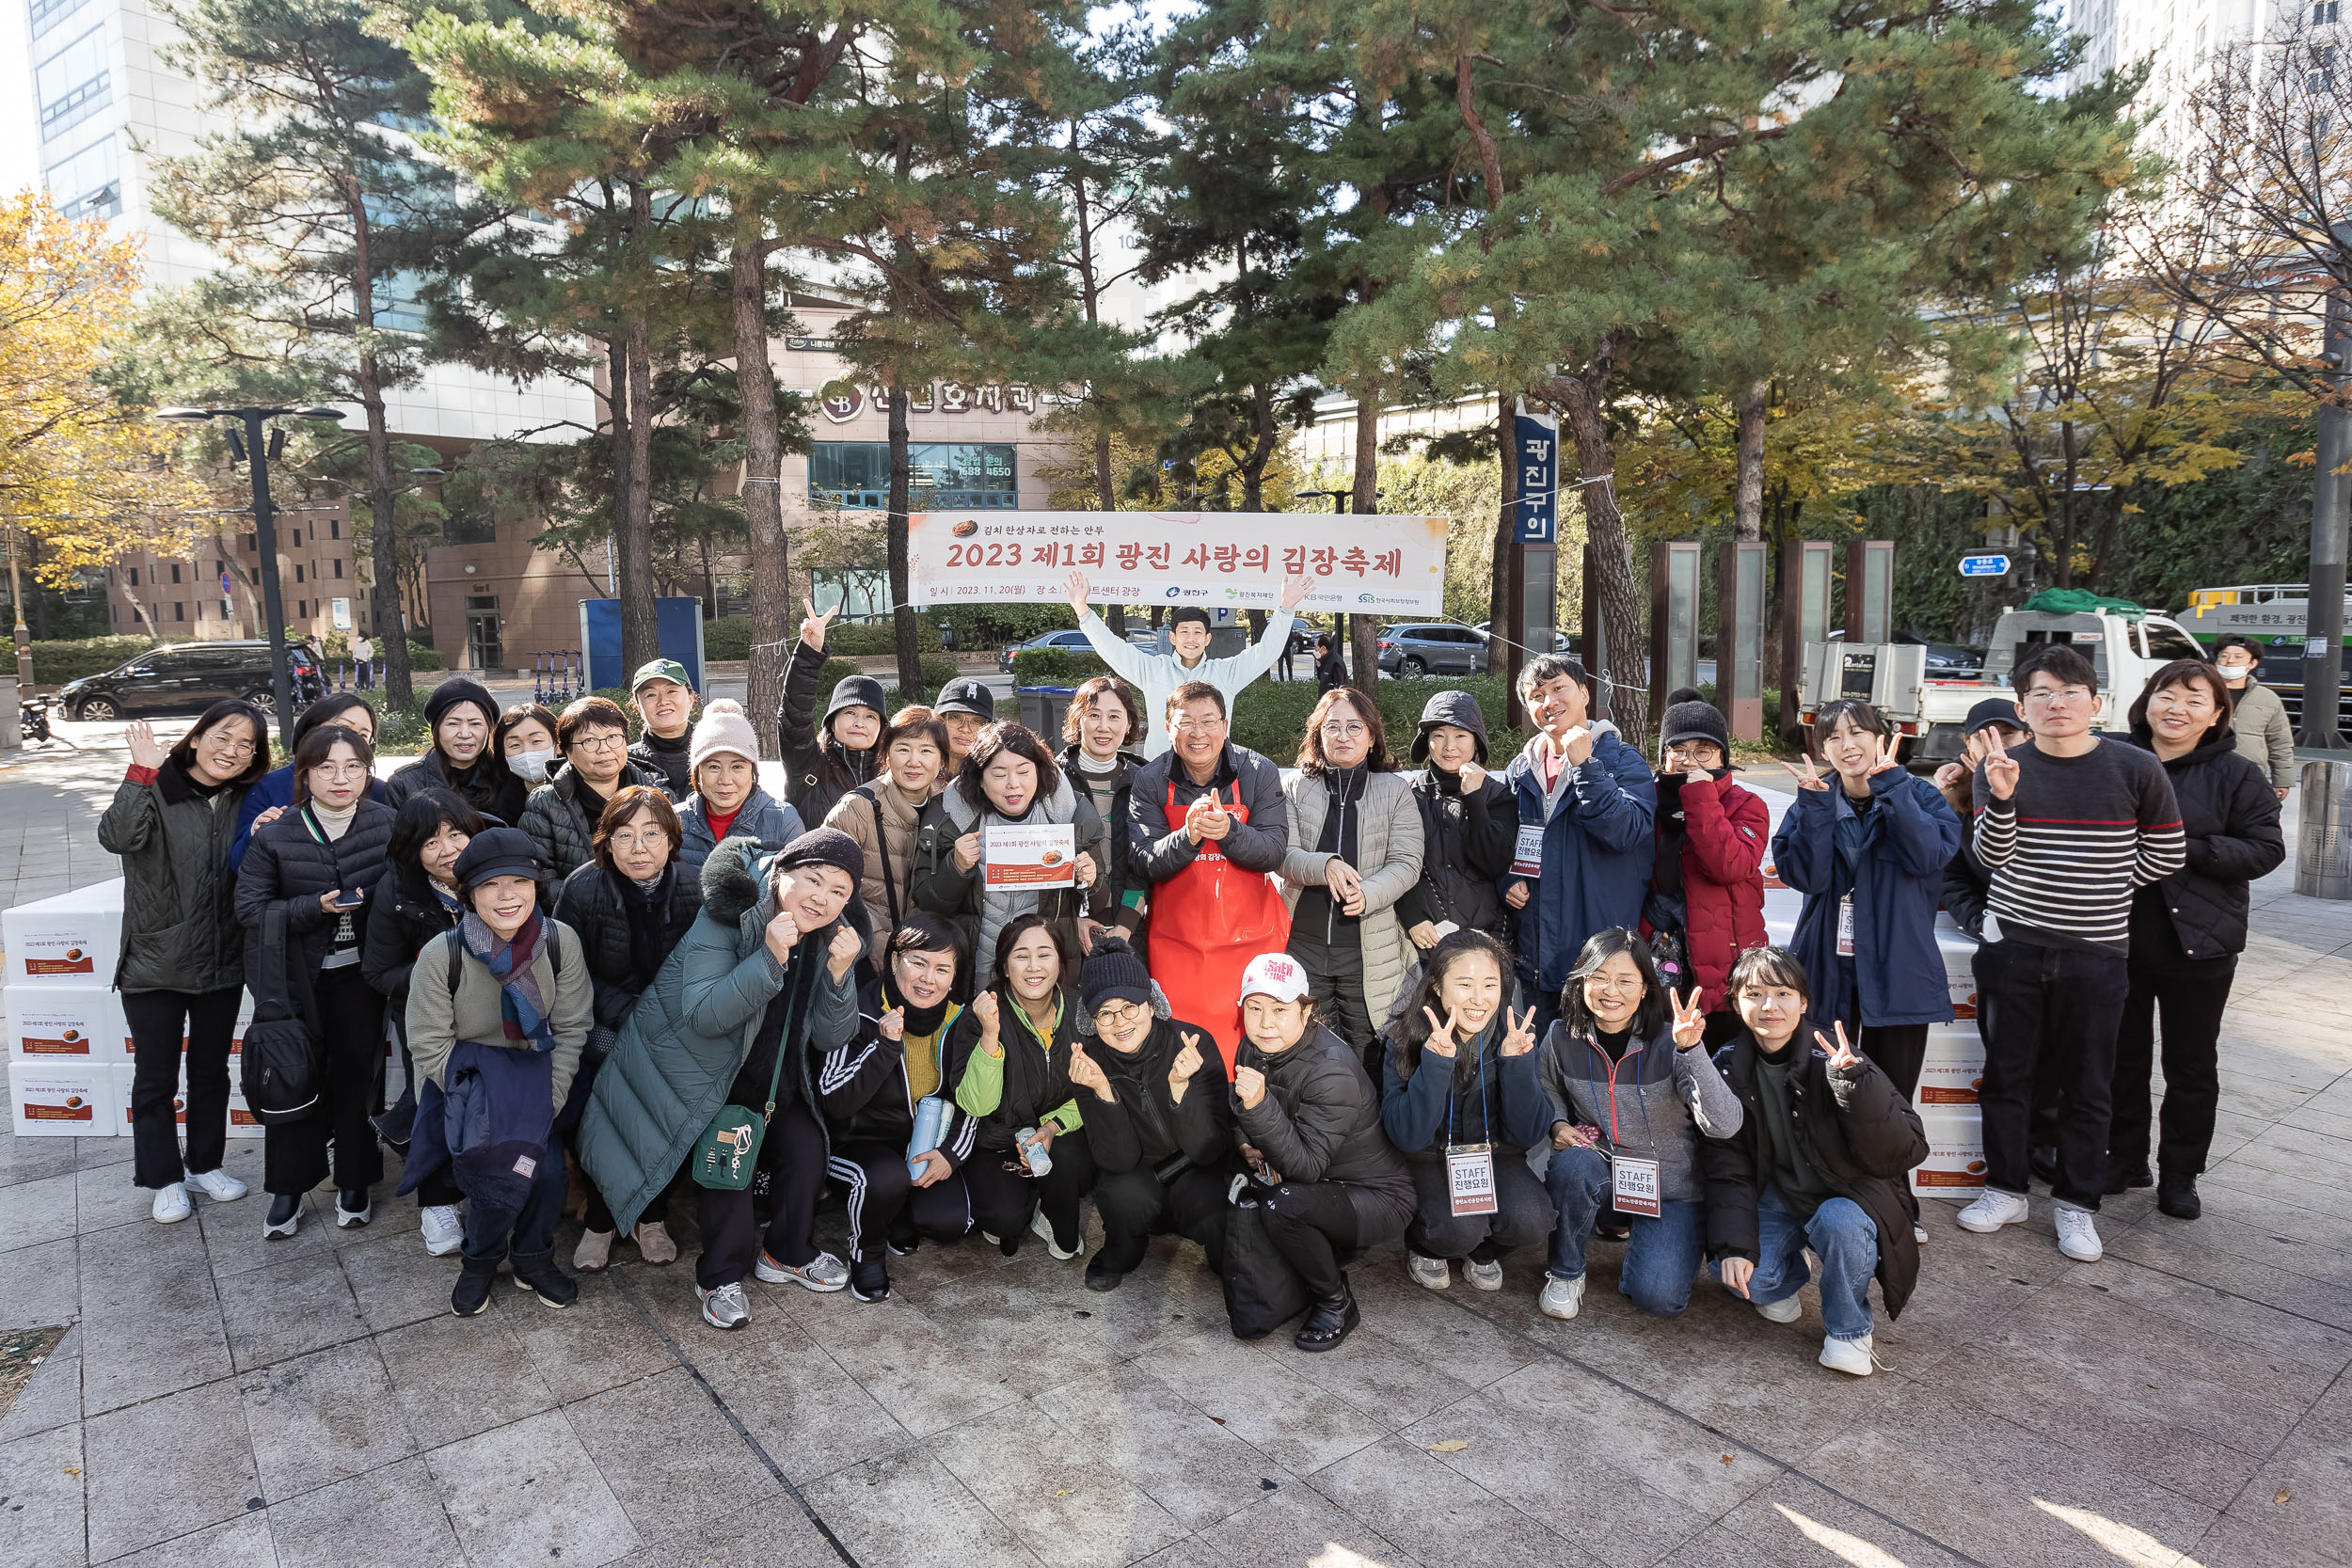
[(1633, 1049), (1453, 1087)]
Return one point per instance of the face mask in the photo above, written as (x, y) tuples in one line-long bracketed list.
[(2233, 671), (531, 766)]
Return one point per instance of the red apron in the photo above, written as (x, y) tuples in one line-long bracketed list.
[(1208, 921)]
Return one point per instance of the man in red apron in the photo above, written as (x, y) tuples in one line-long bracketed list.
[(1210, 829)]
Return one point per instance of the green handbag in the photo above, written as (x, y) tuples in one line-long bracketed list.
[(727, 1155)]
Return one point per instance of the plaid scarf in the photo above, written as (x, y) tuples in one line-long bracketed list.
[(521, 1007)]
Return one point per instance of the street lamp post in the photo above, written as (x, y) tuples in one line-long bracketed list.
[(266, 536)]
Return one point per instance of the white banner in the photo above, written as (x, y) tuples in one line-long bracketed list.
[(1236, 559)]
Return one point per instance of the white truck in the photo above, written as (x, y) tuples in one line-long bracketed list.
[(1892, 676)]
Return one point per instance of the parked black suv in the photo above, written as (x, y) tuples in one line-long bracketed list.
[(189, 677)]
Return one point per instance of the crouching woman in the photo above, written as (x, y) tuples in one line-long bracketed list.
[(497, 1010)]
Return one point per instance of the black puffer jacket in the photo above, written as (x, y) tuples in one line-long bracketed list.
[(1858, 1131), (664, 766), (558, 824), (593, 905), (1107, 899), (1142, 1124), (180, 930), (487, 787), (1465, 845), (817, 770), (403, 913), (286, 862), (2229, 816), (1320, 1121)]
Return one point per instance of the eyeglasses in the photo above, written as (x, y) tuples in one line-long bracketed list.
[(234, 748), (1118, 1014), (2048, 694), (1613, 986), (1200, 726), (607, 742), (336, 770), (1350, 731)]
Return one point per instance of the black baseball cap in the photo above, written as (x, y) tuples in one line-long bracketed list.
[(1993, 710)]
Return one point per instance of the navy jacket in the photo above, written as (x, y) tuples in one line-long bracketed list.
[(1908, 839), (1509, 1109), (1598, 851)]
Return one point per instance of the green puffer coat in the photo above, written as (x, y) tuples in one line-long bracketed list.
[(180, 929), (693, 1030)]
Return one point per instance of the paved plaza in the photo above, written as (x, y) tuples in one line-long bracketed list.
[(223, 1402)]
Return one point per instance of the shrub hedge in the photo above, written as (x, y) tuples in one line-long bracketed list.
[(729, 638), (1270, 717), (54, 663), (1056, 667)]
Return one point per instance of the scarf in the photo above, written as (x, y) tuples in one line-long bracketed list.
[(920, 1040), (450, 903), (521, 1007)]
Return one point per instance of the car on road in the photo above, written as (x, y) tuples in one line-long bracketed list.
[(1411, 648), (1559, 639), (1070, 641), (188, 677)]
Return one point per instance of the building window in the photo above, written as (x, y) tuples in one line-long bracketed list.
[(334, 528), (178, 610), (399, 304), (461, 526), (302, 609), (859, 595), (297, 572), (855, 475), (297, 539), (87, 185), (2326, 13), (134, 577), (252, 542), (175, 571), (339, 570), (48, 13), (73, 85)]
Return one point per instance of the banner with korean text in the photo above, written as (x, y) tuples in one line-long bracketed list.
[(1374, 564)]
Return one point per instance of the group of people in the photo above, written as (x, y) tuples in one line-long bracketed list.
[(1288, 1015)]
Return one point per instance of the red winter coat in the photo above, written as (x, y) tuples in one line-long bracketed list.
[(1725, 831)]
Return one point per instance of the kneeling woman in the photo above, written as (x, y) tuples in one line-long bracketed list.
[(1009, 1057), (1159, 1120), (1309, 1122), (875, 1089), (760, 989), (1460, 1098), (1632, 1092), (497, 1010)]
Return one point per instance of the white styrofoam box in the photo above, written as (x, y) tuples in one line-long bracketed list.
[(1952, 1072), (73, 939), (64, 1099), (1955, 1162), (51, 1023), (242, 1122)]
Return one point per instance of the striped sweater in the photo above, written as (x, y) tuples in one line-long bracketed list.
[(2078, 837)]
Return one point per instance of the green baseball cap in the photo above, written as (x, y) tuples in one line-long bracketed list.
[(658, 669)]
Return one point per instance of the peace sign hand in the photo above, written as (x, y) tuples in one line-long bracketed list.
[(813, 624), (2000, 770), (1843, 1057), (1440, 1041), (1810, 778), (1690, 1020), (1518, 1034), (1890, 755)]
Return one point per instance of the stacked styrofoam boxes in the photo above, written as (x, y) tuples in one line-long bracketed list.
[(64, 1021)]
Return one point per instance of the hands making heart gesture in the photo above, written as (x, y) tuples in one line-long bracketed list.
[(1180, 1071)]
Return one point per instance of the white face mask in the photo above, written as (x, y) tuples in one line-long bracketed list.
[(531, 766)]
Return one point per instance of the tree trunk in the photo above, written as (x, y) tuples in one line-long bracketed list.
[(763, 504), (641, 630), (1579, 398), (1105, 500), (1747, 504), (901, 493), (1364, 630)]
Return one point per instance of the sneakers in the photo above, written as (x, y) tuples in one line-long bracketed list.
[(2078, 1236), (1993, 1210), (1851, 1356), (353, 1207), (555, 1288), (470, 1296), (653, 1243), (1482, 1276), (1787, 1310), (172, 1204), (284, 1217), (1043, 1226), (444, 1229), (219, 1185), (1919, 1234), (2175, 1195), (1433, 1273), (1101, 1278), (724, 1307), (594, 1251), (1561, 1298), (869, 1279), (823, 1272)]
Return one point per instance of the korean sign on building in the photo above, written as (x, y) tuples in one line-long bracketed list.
[(842, 402)]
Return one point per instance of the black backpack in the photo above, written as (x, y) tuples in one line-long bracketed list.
[(284, 1062)]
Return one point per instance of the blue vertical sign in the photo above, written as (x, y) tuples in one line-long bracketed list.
[(1537, 437)]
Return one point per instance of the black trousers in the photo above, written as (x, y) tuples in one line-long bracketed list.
[(793, 1155), (2193, 994), (294, 1154), (1313, 1224), (493, 1230), (1003, 1200), (1136, 1206), (1335, 978), (1523, 1213), (1899, 1049), (158, 1021), (2059, 1007), (883, 1198)]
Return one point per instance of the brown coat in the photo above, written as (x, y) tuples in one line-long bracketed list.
[(884, 826)]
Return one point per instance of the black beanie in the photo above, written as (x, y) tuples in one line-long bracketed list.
[(1694, 721), (825, 846), (1112, 973), (857, 692), (451, 693)]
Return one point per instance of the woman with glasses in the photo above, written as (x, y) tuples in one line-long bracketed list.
[(182, 967), (266, 801), (1355, 849), (563, 812), (320, 864)]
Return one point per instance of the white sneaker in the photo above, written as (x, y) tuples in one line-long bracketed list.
[(1851, 1356), (2078, 1236), (1430, 1273), (444, 1229), (821, 1272), (1484, 1277), (1561, 1298), (1043, 1226), (1919, 1234), (219, 1185), (1785, 1310), (172, 1204), (1993, 1210), (725, 1306)]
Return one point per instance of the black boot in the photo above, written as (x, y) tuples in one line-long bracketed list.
[(2177, 1196), (539, 1273), (2123, 1176), (1330, 1321), (472, 1290), (285, 1216), (870, 1279), (1101, 1278)]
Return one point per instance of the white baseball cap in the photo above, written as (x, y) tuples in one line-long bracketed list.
[(1275, 975)]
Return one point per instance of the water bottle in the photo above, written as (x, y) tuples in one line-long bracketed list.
[(930, 1124), (1039, 1160)]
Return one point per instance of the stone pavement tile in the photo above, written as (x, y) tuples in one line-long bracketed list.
[(1410, 1496), (1465, 1346), (776, 1537), (240, 1543), (1378, 1376), (453, 1377), (322, 1418), (233, 1232), (167, 1466), (2311, 1471), (104, 1198), (39, 1285), (523, 1492), (40, 1497), (39, 1211), (387, 1518), (1298, 1526), (1795, 1520), (600, 1342), (2298, 1152), (671, 1456), (1987, 1487), (1055, 1491), (906, 1510), (23, 1160), (2259, 1099), (2329, 1204), (2254, 1336), (1264, 1403), (921, 1371), (51, 1396), (99, 1153), (1000, 1306), (287, 1310), (151, 1323), (395, 1281), (1195, 1468), (2320, 1115), (1191, 1552), (2231, 1257)]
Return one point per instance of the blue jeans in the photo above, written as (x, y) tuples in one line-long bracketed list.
[(1661, 1260), (1842, 1235)]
